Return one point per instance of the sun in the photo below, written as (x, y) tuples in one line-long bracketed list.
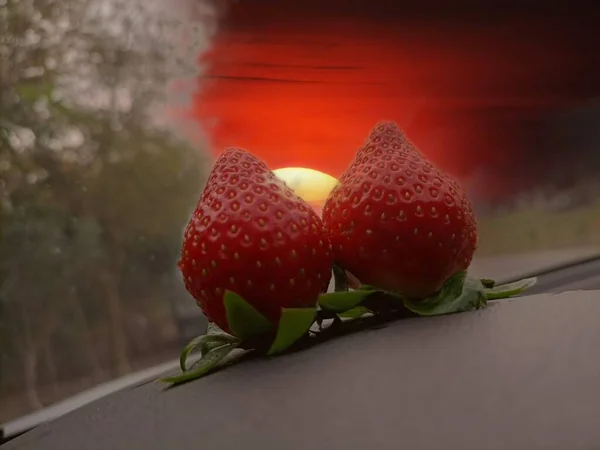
[(311, 185)]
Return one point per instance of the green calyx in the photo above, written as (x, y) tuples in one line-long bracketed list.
[(250, 331), (293, 325), (509, 289), (460, 293), (340, 302), (346, 309), (463, 293), (209, 361), (244, 320)]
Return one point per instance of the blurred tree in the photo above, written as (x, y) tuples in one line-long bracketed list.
[(95, 188)]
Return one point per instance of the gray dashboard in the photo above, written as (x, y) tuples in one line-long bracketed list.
[(522, 374)]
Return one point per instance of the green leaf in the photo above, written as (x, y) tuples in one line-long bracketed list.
[(368, 287), (244, 321), (212, 341), (342, 301), (203, 366), (293, 324), (460, 293), (189, 349), (510, 289), (206, 343), (488, 283), (355, 313)]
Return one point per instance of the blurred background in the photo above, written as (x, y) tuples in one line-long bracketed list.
[(111, 112)]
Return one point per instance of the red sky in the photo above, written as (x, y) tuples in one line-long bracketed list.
[(301, 87)]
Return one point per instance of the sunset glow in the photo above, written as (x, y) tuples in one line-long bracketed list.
[(300, 84)]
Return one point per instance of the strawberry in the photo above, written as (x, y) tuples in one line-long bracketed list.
[(396, 221), (251, 234)]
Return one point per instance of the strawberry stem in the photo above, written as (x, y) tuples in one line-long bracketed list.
[(340, 279)]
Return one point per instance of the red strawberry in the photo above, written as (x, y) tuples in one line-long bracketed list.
[(396, 221), (251, 234)]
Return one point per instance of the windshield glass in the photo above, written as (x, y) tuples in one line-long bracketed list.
[(112, 113)]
